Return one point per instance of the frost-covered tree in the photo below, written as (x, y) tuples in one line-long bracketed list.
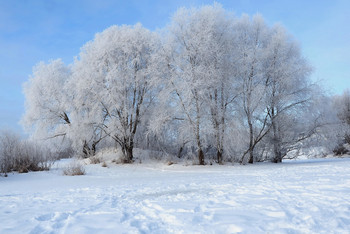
[(113, 80), (288, 93), (341, 107), (226, 73), (211, 84), (46, 116), (85, 132), (251, 42), (9, 143), (196, 56), (223, 89)]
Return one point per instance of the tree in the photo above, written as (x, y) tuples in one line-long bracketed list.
[(223, 89), (197, 59), (46, 116), (113, 81), (212, 85), (341, 105), (9, 143), (251, 42), (288, 92)]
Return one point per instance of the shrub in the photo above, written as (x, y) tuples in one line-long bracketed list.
[(95, 160), (67, 152), (340, 150), (9, 143), (74, 169), (32, 157), (22, 156)]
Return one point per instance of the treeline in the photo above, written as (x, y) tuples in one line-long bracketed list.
[(210, 85)]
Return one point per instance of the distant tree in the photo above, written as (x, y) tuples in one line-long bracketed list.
[(341, 105)]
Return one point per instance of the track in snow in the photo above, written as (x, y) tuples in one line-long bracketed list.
[(310, 196)]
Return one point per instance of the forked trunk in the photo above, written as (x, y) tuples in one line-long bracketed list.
[(87, 151)]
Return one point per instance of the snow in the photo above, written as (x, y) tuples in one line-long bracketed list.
[(308, 196)]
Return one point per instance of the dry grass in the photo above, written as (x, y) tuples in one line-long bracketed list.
[(170, 163), (74, 169)]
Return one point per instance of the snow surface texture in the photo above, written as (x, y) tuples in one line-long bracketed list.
[(310, 196)]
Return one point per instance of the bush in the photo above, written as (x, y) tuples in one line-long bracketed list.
[(95, 160), (9, 143), (22, 156), (74, 169), (67, 152), (340, 150)]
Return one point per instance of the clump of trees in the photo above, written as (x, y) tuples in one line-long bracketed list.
[(211, 86), (341, 105), (22, 155)]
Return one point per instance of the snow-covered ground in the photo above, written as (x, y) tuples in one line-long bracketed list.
[(309, 196)]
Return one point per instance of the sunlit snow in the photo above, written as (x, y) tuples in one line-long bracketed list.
[(310, 196)]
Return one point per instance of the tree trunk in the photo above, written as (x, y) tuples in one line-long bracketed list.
[(200, 151), (129, 154), (251, 155), (201, 156), (276, 139), (251, 140), (87, 151), (251, 143), (277, 151), (93, 148), (277, 159), (180, 152), (129, 147), (219, 156)]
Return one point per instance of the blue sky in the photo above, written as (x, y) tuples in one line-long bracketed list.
[(39, 30)]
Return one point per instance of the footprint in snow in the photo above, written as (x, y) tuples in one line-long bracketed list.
[(45, 217)]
